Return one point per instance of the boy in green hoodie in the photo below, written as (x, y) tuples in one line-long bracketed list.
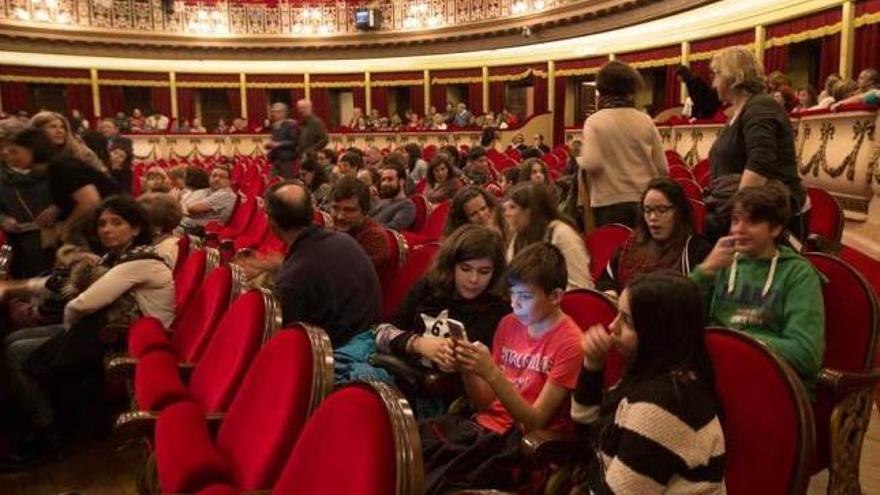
[(752, 284)]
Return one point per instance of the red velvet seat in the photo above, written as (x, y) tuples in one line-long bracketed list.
[(421, 212), (673, 158), (398, 248), (701, 168), (417, 262), (290, 376), (587, 308), (184, 245), (255, 233), (691, 189), (188, 278), (765, 415), (241, 217), (826, 220), (700, 212), (848, 377), (601, 244), (250, 320), (436, 222)]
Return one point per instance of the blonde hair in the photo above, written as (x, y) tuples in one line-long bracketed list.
[(739, 68), (72, 144)]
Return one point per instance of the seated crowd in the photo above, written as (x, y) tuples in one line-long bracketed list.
[(487, 313)]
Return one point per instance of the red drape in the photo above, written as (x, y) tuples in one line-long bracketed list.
[(866, 49), (829, 56), (186, 103), (257, 104), (776, 58), (497, 90), (438, 97), (79, 97), (14, 96), (360, 97), (160, 100), (475, 98), (379, 100), (112, 100), (417, 99), (321, 103), (234, 97), (702, 69), (540, 95), (673, 88), (297, 94), (559, 111)]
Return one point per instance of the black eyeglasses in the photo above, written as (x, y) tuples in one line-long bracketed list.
[(659, 209)]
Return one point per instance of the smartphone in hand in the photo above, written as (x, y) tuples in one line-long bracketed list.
[(456, 330)]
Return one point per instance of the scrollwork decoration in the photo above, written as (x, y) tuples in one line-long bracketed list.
[(805, 135), (820, 159), (861, 128)]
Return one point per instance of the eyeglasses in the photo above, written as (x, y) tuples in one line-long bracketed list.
[(659, 209)]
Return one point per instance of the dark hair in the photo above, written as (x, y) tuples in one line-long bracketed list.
[(439, 159), (289, 215), (684, 72), (468, 242), (330, 153), (489, 134), (511, 174), (320, 174), (353, 159), (476, 153), (414, 152), (196, 178), (457, 217), (131, 211), (163, 211), (349, 187), (618, 79), (224, 167), (391, 163), (96, 142), (525, 170), (769, 203), (542, 210), (541, 264), (529, 153), (35, 140)]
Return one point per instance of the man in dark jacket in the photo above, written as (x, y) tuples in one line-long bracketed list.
[(705, 99), (312, 131), (121, 152), (283, 146)]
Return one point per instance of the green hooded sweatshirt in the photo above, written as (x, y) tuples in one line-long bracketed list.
[(779, 303)]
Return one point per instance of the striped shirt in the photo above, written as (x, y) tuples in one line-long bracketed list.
[(664, 437)]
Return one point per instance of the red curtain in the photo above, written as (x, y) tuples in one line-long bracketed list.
[(234, 96), (160, 100), (360, 97), (417, 99), (297, 94), (79, 97), (186, 103), (673, 88), (379, 100), (559, 111), (438, 97), (112, 100), (321, 103), (829, 56), (540, 95), (866, 49), (14, 96), (497, 90), (776, 58), (257, 104), (475, 98), (701, 69)]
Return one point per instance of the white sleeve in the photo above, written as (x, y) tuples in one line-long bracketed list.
[(577, 259), (110, 287), (591, 155)]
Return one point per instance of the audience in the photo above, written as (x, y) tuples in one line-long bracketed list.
[(349, 204), (475, 205), (314, 176), (478, 169), (806, 99), (442, 180), (348, 165), (462, 116), (417, 167), (58, 131), (137, 122), (212, 204), (282, 147), (121, 151), (164, 215), (395, 211)]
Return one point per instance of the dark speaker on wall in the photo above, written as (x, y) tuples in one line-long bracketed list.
[(367, 19)]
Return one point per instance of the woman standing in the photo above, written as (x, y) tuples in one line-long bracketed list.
[(57, 129)]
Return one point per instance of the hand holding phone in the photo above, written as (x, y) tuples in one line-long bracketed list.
[(456, 330)]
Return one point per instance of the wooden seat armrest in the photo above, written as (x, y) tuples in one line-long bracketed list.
[(843, 382), (120, 366), (134, 425), (546, 446)]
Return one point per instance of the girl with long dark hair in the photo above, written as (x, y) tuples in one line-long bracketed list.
[(475, 205)]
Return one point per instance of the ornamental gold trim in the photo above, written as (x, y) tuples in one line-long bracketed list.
[(707, 55), (46, 80), (397, 82), (865, 19), (804, 35)]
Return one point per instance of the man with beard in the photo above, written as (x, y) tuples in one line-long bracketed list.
[(349, 204), (395, 210)]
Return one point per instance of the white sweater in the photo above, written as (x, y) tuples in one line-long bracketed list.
[(577, 259)]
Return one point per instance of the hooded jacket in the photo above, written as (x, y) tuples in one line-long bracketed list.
[(777, 300)]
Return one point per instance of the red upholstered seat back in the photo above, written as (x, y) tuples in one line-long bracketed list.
[(699, 209), (678, 172), (673, 158), (188, 278), (347, 447), (269, 411), (436, 221), (601, 244), (421, 212), (183, 248), (692, 190), (588, 308), (255, 233), (767, 422), (417, 262), (826, 215), (193, 328), (701, 168), (240, 218), (387, 275), (230, 351)]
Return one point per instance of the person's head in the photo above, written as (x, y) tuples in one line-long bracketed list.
[(518, 139), (393, 177), (660, 328), (736, 73), (197, 123), (529, 210), (29, 147), (440, 169), (536, 278), (666, 214), (778, 97), (373, 156), (474, 205), (304, 107), (9, 127), (55, 125), (120, 223), (108, 128), (470, 262), (683, 73), (197, 178), (509, 178), (533, 170), (289, 208), (326, 157), (868, 79), (806, 96), (137, 113), (349, 203), (537, 140), (313, 174), (374, 113), (220, 178), (221, 122), (350, 163), (453, 153), (279, 112), (370, 177), (163, 212), (830, 82), (461, 107), (619, 80), (843, 89), (156, 180), (759, 218), (477, 159), (177, 176)]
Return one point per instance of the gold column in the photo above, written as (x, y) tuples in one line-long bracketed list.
[(551, 96), (426, 87), (308, 88), (172, 86), (368, 94), (686, 61), (242, 88), (611, 57), (96, 93), (760, 39), (847, 39), (485, 89)]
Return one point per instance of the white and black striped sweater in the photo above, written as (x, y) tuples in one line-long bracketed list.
[(665, 436)]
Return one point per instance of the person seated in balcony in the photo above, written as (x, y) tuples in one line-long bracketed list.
[(868, 90), (663, 239), (197, 127), (465, 283), (356, 115), (361, 125), (518, 142), (123, 123), (869, 79), (137, 121), (663, 413), (315, 178), (157, 122), (478, 169), (462, 116), (342, 295), (705, 99), (374, 120), (523, 383), (222, 127), (442, 179), (438, 122), (538, 143), (449, 113), (475, 205), (753, 283), (509, 118), (826, 98), (239, 126), (182, 126), (783, 97), (395, 211), (212, 204), (532, 216), (395, 122), (349, 204), (806, 98), (57, 129)]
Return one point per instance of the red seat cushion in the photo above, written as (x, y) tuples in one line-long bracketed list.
[(601, 244), (157, 381), (352, 423), (188, 279), (588, 308), (417, 262), (185, 457), (421, 212), (436, 221), (193, 328), (146, 334)]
